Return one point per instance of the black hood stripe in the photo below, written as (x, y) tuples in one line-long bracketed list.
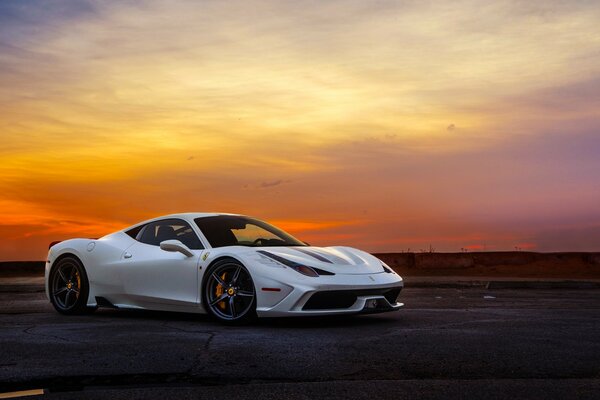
[(282, 260), (291, 263), (314, 255)]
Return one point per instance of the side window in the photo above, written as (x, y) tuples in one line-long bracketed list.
[(169, 229), (135, 231)]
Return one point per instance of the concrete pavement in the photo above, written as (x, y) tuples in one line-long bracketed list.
[(447, 343)]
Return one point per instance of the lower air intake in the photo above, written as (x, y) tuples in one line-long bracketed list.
[(340, 299)]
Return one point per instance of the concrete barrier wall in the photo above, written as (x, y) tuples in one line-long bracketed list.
[(510, 264), (22, 268)]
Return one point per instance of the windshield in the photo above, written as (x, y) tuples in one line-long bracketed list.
[(235, 230)]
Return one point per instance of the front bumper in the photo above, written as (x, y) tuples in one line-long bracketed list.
[(335, 295)]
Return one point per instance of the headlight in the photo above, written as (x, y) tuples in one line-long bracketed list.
[(386, 267), (308, 271)]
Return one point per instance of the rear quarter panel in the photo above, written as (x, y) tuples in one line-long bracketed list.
[(97, 255)]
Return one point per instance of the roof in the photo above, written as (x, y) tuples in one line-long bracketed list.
[(188, 216), (194, 215)]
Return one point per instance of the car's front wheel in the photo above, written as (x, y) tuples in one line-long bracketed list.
[(229, 293), (69, 287)]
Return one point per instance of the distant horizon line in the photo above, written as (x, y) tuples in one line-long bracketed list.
[(407, 252)]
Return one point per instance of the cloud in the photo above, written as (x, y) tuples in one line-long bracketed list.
[(276, 182), (101, 101)]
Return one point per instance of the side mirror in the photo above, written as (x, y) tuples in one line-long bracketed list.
[(176, 245)]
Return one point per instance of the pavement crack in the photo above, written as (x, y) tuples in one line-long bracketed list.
[(180, 329), (28, 331), (201, 352), (209, 340)]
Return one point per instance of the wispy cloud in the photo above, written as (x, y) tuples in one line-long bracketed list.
[(456, 116), (276, 182)]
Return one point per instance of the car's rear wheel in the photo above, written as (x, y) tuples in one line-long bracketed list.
[(229, 293), (69, 287)]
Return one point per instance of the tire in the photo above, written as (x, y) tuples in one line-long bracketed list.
[(228, 292), (69, 287)]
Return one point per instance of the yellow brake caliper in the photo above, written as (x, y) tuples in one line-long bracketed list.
[(219, 290)]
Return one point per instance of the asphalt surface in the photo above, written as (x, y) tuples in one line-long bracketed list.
[(446, 343)]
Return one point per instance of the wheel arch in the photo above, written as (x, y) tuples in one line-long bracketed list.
[(65, 255), (216, 260), (69, 254)]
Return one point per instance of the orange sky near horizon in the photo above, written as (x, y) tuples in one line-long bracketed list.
[(382, 125)]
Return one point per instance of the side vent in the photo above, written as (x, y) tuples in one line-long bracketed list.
[(102, 302)]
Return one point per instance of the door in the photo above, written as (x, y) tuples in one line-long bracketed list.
[(152, 276)]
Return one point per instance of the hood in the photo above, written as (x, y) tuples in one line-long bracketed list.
[(339, 260)]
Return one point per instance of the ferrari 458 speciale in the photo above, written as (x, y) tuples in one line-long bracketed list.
[(233, 267)]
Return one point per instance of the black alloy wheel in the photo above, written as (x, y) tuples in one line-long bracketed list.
[(229, 293), (69, 287)]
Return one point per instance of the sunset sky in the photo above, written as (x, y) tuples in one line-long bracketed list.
[(382, 125)]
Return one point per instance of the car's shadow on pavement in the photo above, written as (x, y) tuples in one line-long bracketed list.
[(337, 321)]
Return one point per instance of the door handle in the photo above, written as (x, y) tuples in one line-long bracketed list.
[(127, 255)]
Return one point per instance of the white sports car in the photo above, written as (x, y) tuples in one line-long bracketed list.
[(232, 266)]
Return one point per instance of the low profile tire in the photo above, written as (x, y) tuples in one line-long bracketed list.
[(228, 292), (69, 287)]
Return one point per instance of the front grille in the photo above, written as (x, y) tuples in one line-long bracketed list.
[(339, 299)]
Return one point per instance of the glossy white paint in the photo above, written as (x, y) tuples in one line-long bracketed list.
[(131, 274), (153, 275)]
